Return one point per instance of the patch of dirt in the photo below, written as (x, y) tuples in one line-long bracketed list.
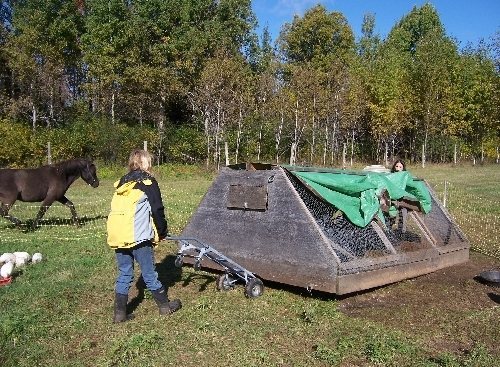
[(448, 310)]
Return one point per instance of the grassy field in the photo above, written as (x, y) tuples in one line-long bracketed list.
[(473, 198), (58, 312)]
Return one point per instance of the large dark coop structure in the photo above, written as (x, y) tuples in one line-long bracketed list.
[(274, 224)]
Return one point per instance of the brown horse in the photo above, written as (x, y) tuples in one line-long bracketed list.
[(44, 184)]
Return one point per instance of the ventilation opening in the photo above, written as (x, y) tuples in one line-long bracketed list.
[(246, 197), (252, 166)]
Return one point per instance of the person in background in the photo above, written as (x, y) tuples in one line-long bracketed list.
[(399, 165), (135, 226)]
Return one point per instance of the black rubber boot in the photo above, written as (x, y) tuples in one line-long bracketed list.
[(165, 306), (121, 309)]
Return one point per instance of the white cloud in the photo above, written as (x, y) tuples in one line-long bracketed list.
[(293, 7)]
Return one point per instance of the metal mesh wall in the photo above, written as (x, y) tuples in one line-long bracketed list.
[(409, 240), (442, 228), (353, 243)]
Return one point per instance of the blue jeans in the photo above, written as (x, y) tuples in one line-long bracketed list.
[(144, 255)]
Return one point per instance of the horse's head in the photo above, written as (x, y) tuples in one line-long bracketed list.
[(89, 173)]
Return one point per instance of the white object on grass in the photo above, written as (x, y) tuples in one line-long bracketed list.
[(20, 261), (23, 255), (22, 258), (6, 270), (7, 257), (36, 258)]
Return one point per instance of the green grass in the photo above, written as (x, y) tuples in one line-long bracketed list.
[(58, 312)]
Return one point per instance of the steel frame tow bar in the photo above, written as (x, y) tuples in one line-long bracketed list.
[(233, 272)]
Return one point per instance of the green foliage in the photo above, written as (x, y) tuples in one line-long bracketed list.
[(386, 349), (478, 81), (96, 77), (186, 144), (318, 37), (341, 349), (91, 139), (132, 349), (407, 34), (42, 51), (417, 88), (369, 42), (445, 360), (15, 146), (96, 139), (323, 353), (478, 356), (146, 54)]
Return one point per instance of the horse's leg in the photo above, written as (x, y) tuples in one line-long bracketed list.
[(41, 213), (4, 212), (65, 201)]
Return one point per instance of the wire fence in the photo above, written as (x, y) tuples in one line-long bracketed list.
[(478, 217), (57, 224)]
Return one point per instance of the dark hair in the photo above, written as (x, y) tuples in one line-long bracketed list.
[(393, 169)]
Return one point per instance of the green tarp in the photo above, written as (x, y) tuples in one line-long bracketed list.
[(357, 195)]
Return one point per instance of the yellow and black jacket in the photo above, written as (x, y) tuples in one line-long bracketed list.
[(137, 212)]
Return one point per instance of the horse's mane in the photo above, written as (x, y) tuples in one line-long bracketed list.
[(71, 165), (71, 162)]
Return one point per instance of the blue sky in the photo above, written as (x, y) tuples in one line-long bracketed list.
[(465, 20)]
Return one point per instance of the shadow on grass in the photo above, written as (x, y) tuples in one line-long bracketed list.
[(168, 275), (495, 297), (207, 279), (28, 225)]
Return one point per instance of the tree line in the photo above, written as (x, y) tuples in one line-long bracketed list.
[(194, 79)]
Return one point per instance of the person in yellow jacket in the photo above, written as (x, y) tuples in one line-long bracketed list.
[(135, 225)]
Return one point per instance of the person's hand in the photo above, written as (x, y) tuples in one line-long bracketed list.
[(164, 238)]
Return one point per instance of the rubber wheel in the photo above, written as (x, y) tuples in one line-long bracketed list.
[(223, 283), (179, 261), (254, 288), (197, 265)]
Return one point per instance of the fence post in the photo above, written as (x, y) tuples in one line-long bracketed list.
[(445, 194), (226, 152), (386, 154), (49, 154), (292, 155), (146, 145), (423, 155), (344, 152)]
